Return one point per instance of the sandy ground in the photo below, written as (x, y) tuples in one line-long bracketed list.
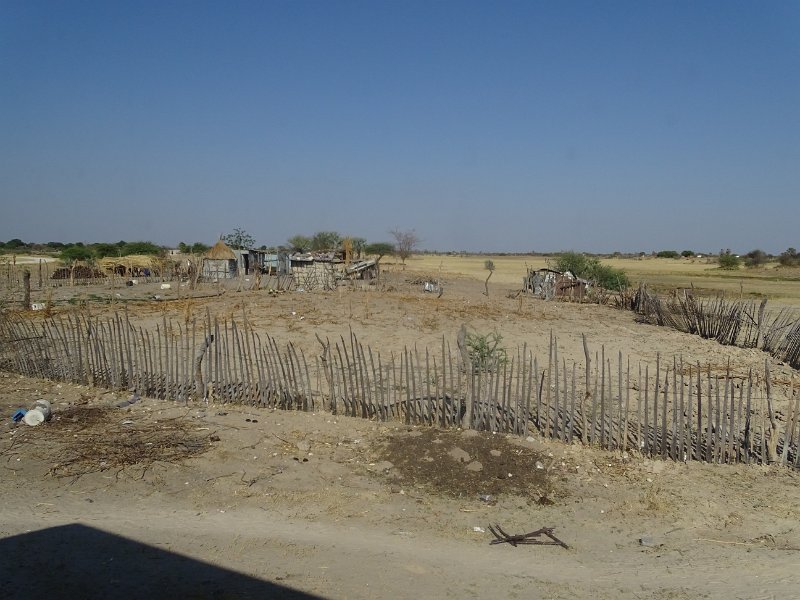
[(332, 507), (271, 503)]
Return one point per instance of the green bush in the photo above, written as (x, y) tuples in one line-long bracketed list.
[(687, 253), (486, 351), (590, 268), (729, 261), (668, 254), (789, 258), (76, 252), (755, 258)]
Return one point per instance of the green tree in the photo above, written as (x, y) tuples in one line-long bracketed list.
[(299, 243), (199, 248), (74, 253), (184, 248), (101, 250), (359, 246), (667, 254), (755, 258), (728, 261), (789, 258), (325, 241), (239, 239), (140, 248), (15, 244), (687, 253), (379, 248)]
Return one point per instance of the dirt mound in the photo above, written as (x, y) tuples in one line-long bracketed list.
[(467, 464)]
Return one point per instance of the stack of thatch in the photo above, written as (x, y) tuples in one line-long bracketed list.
[(154, 264)]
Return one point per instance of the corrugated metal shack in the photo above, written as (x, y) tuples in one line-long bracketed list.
[(549, 284), (271, 263), (363, 269)]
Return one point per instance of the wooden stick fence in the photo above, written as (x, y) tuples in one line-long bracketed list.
[(740, 323), (674, 411)]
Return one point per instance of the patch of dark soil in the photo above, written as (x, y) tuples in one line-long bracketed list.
[(468, 464), (87, 439)]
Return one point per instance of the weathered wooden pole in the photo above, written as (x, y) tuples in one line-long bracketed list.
[(26, 278), (199, 384)]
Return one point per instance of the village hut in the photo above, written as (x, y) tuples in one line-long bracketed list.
[(549, 284), (135, 265), (219, 263)]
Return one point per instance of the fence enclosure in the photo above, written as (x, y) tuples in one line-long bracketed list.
[(670, 410), (740, 323)]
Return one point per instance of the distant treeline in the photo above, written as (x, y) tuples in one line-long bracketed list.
[(73, 251)]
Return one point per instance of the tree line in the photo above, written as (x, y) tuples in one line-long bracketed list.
[(404, 245), (753, 259)]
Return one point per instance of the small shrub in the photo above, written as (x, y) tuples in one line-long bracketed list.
[(687, 253), (667, 254), (486, 352)]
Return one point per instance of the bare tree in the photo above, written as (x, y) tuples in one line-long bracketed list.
[(406, 241), (488, 265)]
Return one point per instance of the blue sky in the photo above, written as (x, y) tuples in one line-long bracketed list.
[(484, 126)]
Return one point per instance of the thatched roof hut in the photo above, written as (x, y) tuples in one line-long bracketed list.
[(220, 251), (219, 262)]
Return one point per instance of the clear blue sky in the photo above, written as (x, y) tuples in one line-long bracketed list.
[(507, 126)]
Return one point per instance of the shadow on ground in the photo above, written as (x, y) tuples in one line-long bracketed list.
[(75, 561)]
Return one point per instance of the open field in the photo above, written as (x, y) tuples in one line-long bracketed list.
[(342, 507), (780, 285)]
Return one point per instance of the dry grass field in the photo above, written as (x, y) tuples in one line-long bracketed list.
[(778, 284)]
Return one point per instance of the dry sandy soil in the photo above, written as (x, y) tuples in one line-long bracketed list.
[(235, 502)]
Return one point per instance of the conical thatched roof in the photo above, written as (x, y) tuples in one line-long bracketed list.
[(220, 251)]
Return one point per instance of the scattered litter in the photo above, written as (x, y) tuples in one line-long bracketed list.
[(222, 414), (166, 286), (132, 400), (648, 542), (478, 530), (485, 498), (38, 414), (17, 416), (38, 306)]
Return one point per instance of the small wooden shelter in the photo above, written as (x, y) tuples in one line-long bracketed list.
[(549, 284), (219, 263)]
